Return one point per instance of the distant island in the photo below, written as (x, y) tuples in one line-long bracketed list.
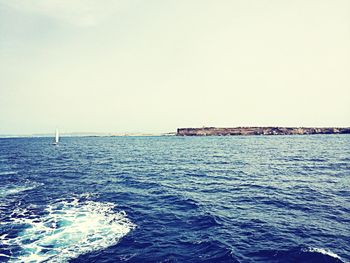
[(214, 131)]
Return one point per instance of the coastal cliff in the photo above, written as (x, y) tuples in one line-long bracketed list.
[(213, 131)]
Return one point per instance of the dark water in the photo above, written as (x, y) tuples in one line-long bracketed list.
[(175, 199)]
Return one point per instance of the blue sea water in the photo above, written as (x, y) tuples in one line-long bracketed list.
[(175, 199)]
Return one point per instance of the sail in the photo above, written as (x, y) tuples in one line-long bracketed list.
[(57, 136)]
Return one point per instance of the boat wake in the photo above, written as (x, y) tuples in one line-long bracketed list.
[(66, 230)]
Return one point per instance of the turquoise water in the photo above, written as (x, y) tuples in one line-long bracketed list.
[(175, 199)]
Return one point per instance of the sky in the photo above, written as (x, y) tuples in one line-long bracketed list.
[(153, 66)]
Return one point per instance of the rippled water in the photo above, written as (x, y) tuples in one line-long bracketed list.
[(175, 199)]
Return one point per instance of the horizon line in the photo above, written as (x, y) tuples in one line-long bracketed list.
[(107, 133)]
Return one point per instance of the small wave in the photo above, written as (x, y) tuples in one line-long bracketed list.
[(7, 172), (204, 221), (66, 230), (299, 254), (213, 251), (322, 251), (17, 188)]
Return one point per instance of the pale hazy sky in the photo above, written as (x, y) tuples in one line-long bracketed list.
[(155, 65)]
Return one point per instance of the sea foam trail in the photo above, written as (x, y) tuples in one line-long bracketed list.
[(67, 229)]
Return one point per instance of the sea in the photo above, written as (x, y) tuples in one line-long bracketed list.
[(175, 199)]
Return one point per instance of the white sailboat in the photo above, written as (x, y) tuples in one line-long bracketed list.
[(57, 138)]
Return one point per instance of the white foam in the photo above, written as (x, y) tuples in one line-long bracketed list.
[(324, 252), (67, 230)]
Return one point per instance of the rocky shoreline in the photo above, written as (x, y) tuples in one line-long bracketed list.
[(213, 131)]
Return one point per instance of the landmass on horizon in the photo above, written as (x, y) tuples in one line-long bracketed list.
[(214, 131)]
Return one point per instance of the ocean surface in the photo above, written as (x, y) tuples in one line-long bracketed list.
[(175, 199)]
